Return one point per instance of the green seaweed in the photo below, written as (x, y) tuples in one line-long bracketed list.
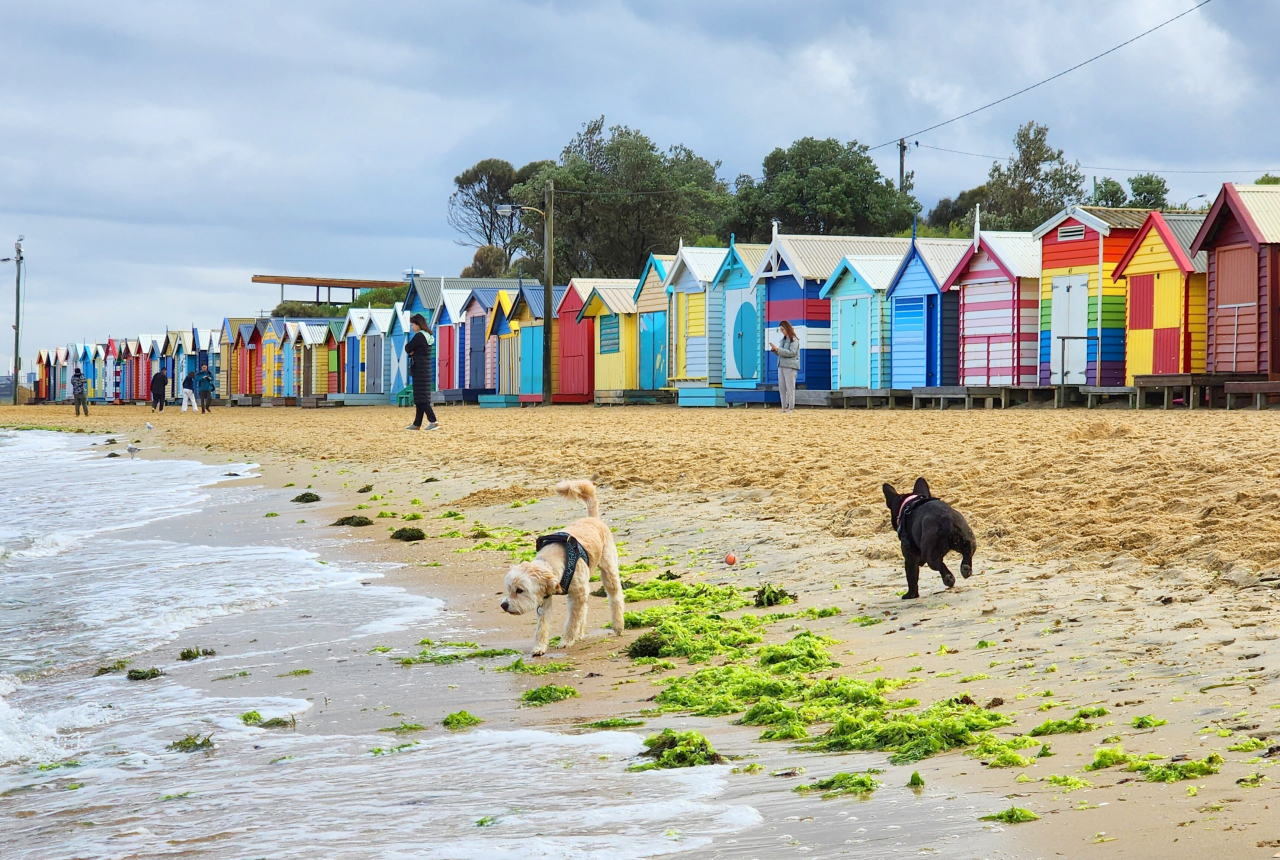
[(547, 694), (916, 780), (353, 520), (1092, 712), (189, 654), (697, 637), (404, 728), (486, 821), (981, 676), (1061, 727), (843, 783), (192, 743), (251, 718), (387, 515), (1104, 757), (1002, 753), (306, 498), (412, 516), (1253, 780), (460, 720), (56, 765), (408, 533), (1179, 770), (1012, 815), (615, 723), (280, 723), (1069, 783), (547, 668), (379, 649), (271, 514), (241, 674), (143, 674), (117, 666), (909, 737), (451, 515), (1148, 722), (673, 749), (805, 652), (773, 595), (295, 673), (866, 620), (367, 488), (1247, 745)]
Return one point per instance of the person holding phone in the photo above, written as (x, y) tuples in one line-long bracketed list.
[(788, 353)]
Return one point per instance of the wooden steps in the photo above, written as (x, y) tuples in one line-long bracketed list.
[(633, 397), (499, 401), (701, 397)]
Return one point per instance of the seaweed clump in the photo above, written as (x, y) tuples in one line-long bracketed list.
[(909, 737), (773, 595), (1012, 815), (189, 654), (460, 720), (1002, 753), (367, 488), (408, 533), (117, 666), (547, 668), (353, 520), (1147, 722), (547, 694), (615, 723), (843, 783), (1062, 727), (144, 674), (1177, 771), (306, 498), (672, 749), (192, 743)]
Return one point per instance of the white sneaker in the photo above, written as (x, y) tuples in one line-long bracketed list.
[(413, 427), (433, 426)]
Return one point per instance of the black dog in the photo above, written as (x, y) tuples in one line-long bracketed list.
[(929, 528)]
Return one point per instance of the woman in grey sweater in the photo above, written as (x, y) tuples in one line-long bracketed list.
[(788, 353)]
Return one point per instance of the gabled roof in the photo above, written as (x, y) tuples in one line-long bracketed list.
[(658, 263), (500, 319), (357, 319), (483, 296), (702, 263), (1016, 254), (877, 270), (313, 334), (583, 287), (147, 342), (814, 258), (614, 300), (430, 288), (451, 302), (379, 321), (938, 255), (1103, 219), (533, 297), (748, 255), (1256, 208), (1177, 231)]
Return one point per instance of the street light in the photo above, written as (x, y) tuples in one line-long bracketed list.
[(17, 310), (1197, 197), (506, 210)]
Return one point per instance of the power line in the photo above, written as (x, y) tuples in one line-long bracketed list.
[(1046, 80), (1116, 169)]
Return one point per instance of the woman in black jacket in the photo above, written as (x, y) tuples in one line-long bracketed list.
[(159, 382), (418, 347)]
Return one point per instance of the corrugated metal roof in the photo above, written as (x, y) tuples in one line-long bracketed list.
[(1121, 218), (617, 299), (751, 255), (453, 299), (703, 263), (942, 255), (484, 296), (1263, 203), (533, 296), (1185, 226), (380, 320), (357, 319), (876, 269), (584, 286), (816, 257), (1020, 252)]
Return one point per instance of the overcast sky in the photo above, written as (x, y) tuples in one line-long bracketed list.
[(157, 154)]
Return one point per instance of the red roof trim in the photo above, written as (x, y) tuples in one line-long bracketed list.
[(1229, 198), (1166, 235), (968, 258)]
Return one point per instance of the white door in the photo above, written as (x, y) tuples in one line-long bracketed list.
[(1070, 320)]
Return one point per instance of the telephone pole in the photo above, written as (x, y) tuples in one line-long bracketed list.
[(548, 293), (902, 165), (17, 311)]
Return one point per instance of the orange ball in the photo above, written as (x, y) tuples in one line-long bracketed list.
[(730, 559)]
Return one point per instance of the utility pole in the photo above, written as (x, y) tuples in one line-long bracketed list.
[(548, 293), (902, 165), (17, 311)]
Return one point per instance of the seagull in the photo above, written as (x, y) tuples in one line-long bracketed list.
[(149, 427), (132, 449)]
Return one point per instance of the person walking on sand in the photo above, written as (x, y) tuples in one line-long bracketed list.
[(80, 391), (204, 387), (788, 353), (419, 349), (189, 392), (159, 382)]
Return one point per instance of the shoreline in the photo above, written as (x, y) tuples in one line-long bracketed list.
[(1098, 631)]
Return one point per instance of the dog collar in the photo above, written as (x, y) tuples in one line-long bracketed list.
[(902, 507)]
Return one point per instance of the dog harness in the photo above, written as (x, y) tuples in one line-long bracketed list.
[(573, 552), (909, 504)]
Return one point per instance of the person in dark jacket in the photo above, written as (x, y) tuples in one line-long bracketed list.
[(159, 382), (418, 347), (189, 392), (80, 391), (204, 387)]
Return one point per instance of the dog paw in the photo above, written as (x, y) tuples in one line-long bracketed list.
[(911, 595), (537, 653), (966, 570), (948, 580)]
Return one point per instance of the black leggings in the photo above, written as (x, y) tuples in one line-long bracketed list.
[(424, 409)]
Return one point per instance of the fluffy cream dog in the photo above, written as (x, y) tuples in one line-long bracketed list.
[(530, 585)]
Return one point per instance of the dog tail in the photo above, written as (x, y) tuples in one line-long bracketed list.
[(583, 491)]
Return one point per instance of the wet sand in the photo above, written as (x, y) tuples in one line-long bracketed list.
[(1125, 560)]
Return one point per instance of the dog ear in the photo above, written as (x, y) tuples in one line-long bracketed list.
[(921, 488), (890, 496)]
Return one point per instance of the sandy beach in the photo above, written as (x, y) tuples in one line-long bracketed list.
[(1128, 562)]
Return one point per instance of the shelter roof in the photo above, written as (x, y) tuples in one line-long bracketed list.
[(614, 300), (877, 270), (1103, 219)]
